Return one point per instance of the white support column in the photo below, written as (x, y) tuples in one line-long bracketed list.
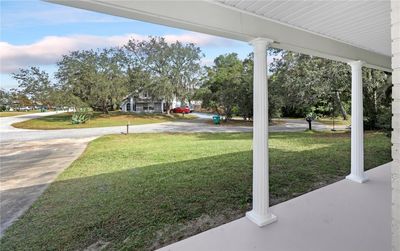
[(357, 127), (131, 103), (260, 213)]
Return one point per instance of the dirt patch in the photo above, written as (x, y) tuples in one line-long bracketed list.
[(99, 245), (170, 234)]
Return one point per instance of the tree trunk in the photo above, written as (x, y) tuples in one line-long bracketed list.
[(228, 113), (168, 106), (105, 108), (342, 110)]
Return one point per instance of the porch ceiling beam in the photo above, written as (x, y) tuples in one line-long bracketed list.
[(216, 19)]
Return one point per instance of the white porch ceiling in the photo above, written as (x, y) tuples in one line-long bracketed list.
[(339, 30), (365, 24)]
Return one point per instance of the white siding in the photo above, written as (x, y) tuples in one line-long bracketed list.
[(395, 16)]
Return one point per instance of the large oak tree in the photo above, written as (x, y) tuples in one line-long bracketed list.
[(170, 70)]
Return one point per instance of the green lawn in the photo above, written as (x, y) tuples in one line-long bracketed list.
[(11, 114), (143, 191), (338, 121), (63, 120)]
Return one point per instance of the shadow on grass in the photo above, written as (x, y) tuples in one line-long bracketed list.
[(296, 135), (148, 207)]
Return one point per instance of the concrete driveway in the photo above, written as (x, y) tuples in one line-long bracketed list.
[(31, 159), (28, 168)]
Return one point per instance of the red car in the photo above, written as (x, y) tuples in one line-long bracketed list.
[(185, 109)]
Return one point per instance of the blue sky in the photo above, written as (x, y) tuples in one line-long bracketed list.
[(37, 33)]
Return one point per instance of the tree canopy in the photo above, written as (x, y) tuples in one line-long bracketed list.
[(98, 78), (228, 86), (36, 85), (298, 83), (165, 70), (304, 84)]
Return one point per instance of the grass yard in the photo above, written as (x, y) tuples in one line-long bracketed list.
[(338, 121), (11, 114), (63, 120), (144, 191)]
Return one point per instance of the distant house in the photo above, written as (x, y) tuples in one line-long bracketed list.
[(142, 102)]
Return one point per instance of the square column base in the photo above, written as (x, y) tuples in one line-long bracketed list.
[(261, 220), (358, 179)]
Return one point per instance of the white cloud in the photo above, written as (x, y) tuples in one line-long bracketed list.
[(50, 49)]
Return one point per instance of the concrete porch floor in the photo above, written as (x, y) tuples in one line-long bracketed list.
[(341, 216)]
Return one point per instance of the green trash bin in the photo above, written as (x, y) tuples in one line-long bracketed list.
[(216, 119)]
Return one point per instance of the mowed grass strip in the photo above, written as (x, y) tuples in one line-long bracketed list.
[(63, 120), (338, 121), (144, 191)]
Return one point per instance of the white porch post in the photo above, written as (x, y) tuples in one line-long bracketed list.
[(260, 213), (131, 103), (357, 127)]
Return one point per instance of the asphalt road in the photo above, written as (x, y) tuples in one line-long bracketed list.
[(11, 134)]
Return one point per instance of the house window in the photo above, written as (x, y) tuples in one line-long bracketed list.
[(128, 107), (148, 108)]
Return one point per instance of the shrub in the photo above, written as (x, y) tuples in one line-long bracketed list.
[(80, 117)]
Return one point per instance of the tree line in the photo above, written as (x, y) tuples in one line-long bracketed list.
[(298, 83), (101, 78)]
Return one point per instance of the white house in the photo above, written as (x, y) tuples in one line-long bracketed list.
[(142, 102)]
